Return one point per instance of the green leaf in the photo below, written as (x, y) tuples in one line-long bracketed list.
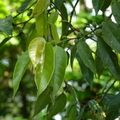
[(19, 70), (24, 5), (47, 69), (40, 7), (32, 34), (114, 108), (4, 41), (99, 65), (57, 107), (58, 3), (71, 90), (96, 109), (87, 73), (73, 54), (110, 32), (41, 24), (59, 70), (108, 58), (81, 112), (106, 5), (6, 25), (64, 20), (43, 100), (116, 10), (71, 111), (36, 49), (54, 33), (86, 55), (97, 4), (23, 40), (53, 17)]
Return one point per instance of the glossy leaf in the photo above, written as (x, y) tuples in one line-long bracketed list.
[(40, 7), (110, 32), (47, 69), (58, 106), (114, 108), (108, 58), (86, 55), (87, 73), (4, 23), (59, 70), (36, 49), (43, 100), (97, 4), (41, 24), (19, 70), (116, 10), (24, 5)]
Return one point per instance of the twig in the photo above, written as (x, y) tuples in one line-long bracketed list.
[(73, 10), (108, 90)]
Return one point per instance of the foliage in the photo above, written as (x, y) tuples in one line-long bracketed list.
[(41, 42)]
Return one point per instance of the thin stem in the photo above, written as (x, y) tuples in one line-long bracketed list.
[(108, 90), (73, 10)]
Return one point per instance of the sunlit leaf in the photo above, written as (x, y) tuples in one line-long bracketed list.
[(110, 32), (43, 100), (36, 49), (55, 33), (40, 7), (47, 69), (108, 58), (41, 24), (53, 17), (6, 25), (116, 10), (19, 70), (59, 70), (86, 55), (58, 106), (114, 108), (97, 4), (24, 5)]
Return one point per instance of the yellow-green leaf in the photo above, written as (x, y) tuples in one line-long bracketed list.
[(54, 33), (47, 68), (36, 49), (40, 7), (41, 24)]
